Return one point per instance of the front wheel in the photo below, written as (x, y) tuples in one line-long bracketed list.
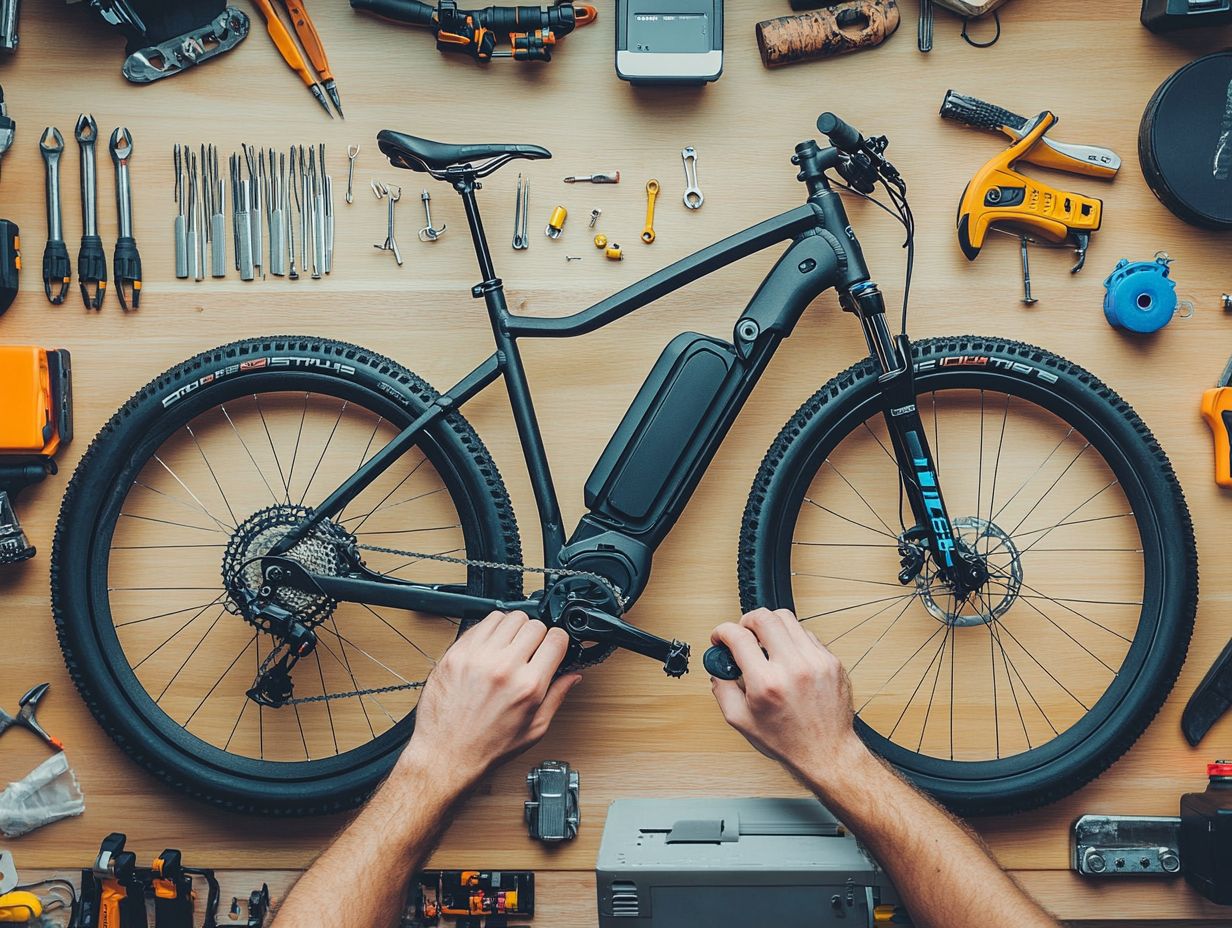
[(1028, 688)]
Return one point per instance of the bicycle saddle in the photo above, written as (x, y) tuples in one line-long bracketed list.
[(409, 151)]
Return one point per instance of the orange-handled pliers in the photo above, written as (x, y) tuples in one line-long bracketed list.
[(313, 48), (290, 51)]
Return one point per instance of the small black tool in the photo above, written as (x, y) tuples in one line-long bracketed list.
[(719, 662), (10, 262), (1167, 15), (1210, 700)]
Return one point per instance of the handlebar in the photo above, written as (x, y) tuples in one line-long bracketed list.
[(842, 135)]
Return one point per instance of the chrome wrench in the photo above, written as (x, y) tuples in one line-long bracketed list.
[(127, 260), (57, 268)]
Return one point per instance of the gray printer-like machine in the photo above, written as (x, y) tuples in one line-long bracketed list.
[(755, 863)]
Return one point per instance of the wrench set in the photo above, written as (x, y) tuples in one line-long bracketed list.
[(282, 212), (692, 199), (91, 259)]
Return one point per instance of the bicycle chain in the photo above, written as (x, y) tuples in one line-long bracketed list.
[(467, 562)]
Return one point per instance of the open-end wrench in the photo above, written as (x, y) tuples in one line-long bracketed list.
[(91, 260), (693, 198), (57, 269), (652, 192), (126, 261)]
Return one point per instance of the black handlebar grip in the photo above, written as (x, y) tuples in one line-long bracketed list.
[(401, 11), (843, 136), (719, 662)]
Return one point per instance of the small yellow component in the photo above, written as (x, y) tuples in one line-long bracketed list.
[(556, 222), (19, 907), (652, 191), (613, 252), (600, 240), (1217, 411)]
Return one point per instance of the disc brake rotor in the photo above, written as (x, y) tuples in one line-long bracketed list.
[(1004, 563)]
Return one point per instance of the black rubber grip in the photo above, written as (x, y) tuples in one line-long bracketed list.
[(402, 11), (719, 662), (976, 113), (842, 135)]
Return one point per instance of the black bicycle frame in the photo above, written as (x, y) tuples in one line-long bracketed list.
[(633, 498)]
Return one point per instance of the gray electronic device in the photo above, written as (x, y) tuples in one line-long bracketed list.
[(759, 863), (669, 41)]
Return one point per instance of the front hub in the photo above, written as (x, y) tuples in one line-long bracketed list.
[(990, 579)]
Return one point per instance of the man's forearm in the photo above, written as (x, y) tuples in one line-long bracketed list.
[(360, 880), (944, 876)]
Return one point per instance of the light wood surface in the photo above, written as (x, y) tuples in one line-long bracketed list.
[(630, 731)]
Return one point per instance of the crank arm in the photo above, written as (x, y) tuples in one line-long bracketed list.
[(591, 625), (373, 589)]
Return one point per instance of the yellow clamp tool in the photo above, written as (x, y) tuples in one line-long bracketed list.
[(1000, 194), (1217, 411), (19, 907)]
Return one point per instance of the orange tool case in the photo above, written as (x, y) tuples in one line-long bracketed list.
[(36, 406)]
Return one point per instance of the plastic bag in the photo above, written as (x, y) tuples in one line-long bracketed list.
[(47, 794)]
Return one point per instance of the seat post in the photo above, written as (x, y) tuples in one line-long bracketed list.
[(466, 187)]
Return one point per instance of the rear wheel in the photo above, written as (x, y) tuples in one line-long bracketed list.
[(1030, 687), (201, 473)]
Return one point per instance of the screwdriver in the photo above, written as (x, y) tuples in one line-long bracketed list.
[(610, 177), (290, 52)]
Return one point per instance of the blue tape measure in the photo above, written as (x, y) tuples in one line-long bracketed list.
[(1141, 296)]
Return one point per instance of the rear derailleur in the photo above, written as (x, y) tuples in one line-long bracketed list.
[(294, 639)]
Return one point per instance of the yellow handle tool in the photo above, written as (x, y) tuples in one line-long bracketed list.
[(1000, 194), (19, 907), (1217, 411), (290, 51)]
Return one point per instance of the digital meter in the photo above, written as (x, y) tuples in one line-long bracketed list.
[(669, 41)]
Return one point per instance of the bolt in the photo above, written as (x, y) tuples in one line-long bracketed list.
[(594, 216), (1144, 862), (1094, 861), (1119, 863), (573, 258), (1227, 302)]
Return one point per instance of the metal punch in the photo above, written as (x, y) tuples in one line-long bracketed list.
[(217, 205), (318, 213), (392, 195), (293, 187), (277, 214), (521, 211), (180, 198)]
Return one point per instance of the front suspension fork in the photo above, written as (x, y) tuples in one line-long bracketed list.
[(917, 469)]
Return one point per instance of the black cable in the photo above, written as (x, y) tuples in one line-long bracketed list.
[(996, 18)]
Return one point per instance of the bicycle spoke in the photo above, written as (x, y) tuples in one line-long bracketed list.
[(213, 476), (163, 615), (364, 518), (847, 519), (940, 628), (388, 625), (248, 451), (881, 637), (939, 658), (329, 712), (996, 467), (1051, 487), (192, 653), (230, 667), (1042, 465), (286, 487), (328, 441), (295, 453), (882, 611), (202, 528), (867, 504)]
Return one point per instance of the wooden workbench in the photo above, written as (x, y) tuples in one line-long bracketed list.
[(628, 729)]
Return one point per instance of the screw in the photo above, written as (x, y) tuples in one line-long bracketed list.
[(573, 257), (1027, 298), (1227, 302), (1119, 863), (1144, 862), (594, 216), (1094, 861)]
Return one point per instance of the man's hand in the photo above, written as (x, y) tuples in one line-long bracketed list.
[(490, 697), (793, 702)]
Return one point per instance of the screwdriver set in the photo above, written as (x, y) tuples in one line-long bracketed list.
[(281, 207)]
